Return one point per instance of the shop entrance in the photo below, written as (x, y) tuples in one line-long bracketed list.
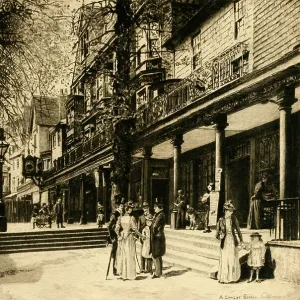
[(160, 190), (238, 179)]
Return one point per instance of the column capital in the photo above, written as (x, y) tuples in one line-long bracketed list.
[(147, 152), (177, 140), (220, 122), (286, 98)]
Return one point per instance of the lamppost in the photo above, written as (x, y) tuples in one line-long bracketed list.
[(3, 149)]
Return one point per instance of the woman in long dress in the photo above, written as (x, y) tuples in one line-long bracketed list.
[(229, 264), (126, 228)]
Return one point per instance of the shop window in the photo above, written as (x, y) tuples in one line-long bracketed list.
[(239, 16), (196, 48)]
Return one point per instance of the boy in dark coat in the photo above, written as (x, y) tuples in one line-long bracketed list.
[(158, 240)]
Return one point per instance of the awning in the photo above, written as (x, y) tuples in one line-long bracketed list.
[(10, 196), (28, 191)]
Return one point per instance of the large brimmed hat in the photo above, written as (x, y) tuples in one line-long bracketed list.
[(228, 205), (255, 234)]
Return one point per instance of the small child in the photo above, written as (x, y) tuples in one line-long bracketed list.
[(256, 257), (100, 215), (146, 244), (192, 216), (35, 211)]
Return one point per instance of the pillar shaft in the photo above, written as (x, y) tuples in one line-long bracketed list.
[(147, 175), (82, 201), (177, 142), (70, 219)]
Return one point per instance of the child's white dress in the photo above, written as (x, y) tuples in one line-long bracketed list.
[(146, 243)]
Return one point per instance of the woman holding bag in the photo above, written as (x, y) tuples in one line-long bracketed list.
[(227, 227)]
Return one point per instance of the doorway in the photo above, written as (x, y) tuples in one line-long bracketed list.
[(160, 190), (238, 179)]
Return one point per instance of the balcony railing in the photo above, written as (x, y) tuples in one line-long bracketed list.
[(95, 143), (283, 218), (225, 68)]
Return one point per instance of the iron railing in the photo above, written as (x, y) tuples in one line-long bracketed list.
[(282, 217)]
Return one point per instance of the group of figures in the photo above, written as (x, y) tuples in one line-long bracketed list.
[(45, 214), (128, 224)]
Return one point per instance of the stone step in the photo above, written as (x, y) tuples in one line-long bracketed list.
[(191, 234), (53, 236), (51, 240), (197, 249), (55, 248), (52, 232)]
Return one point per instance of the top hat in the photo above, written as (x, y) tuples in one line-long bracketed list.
[(255, 234), (158, 203), (145, 204), (228, 205)]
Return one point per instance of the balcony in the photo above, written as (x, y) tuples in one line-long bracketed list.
[(86, 148), (223, 69)]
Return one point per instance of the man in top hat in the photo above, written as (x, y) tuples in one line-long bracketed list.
[(113, 238), (158, 240), (141, 226), (181, 210)]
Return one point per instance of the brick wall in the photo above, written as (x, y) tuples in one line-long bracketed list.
[(276, 29)]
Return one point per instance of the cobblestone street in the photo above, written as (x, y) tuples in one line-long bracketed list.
[(80, 275)]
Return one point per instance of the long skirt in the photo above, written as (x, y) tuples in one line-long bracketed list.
[(229, 264), (118, 262), (255, 214), (128, 254)]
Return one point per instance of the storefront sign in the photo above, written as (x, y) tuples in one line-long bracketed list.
[(218, 179), (213, 211)]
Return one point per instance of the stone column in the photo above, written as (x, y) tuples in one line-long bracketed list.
[(220, 125), (82, 201), (146, 184), (285, 101), (177, 141), (70, 219)]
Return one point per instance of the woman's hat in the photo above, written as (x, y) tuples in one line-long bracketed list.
[(255, 234), (100, 205), (149, 217), (130, 204), (228, 205)]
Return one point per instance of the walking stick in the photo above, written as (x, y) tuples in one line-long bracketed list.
[(108, 267)]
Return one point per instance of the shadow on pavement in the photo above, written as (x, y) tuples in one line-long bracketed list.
[(141, 277), (10, 273), (167, 268), (175, 273)]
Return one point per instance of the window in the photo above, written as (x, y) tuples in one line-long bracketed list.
[(13, 164), (239, 16), (18, 163), (141, 98), (13, 184), (58, 139), (196, 48), (84, 45), (240, 66), (153, 47), (54, 140)]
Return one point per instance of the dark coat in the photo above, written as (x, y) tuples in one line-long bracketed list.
[(158, 240), (221, 230), (59, 209)]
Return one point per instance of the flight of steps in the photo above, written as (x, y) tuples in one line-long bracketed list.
[(192, 250), (52, 240)]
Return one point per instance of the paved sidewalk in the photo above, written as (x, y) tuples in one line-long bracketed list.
[(80, 275)]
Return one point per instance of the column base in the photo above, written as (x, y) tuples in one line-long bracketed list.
[(70, 221), (83, 221)]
